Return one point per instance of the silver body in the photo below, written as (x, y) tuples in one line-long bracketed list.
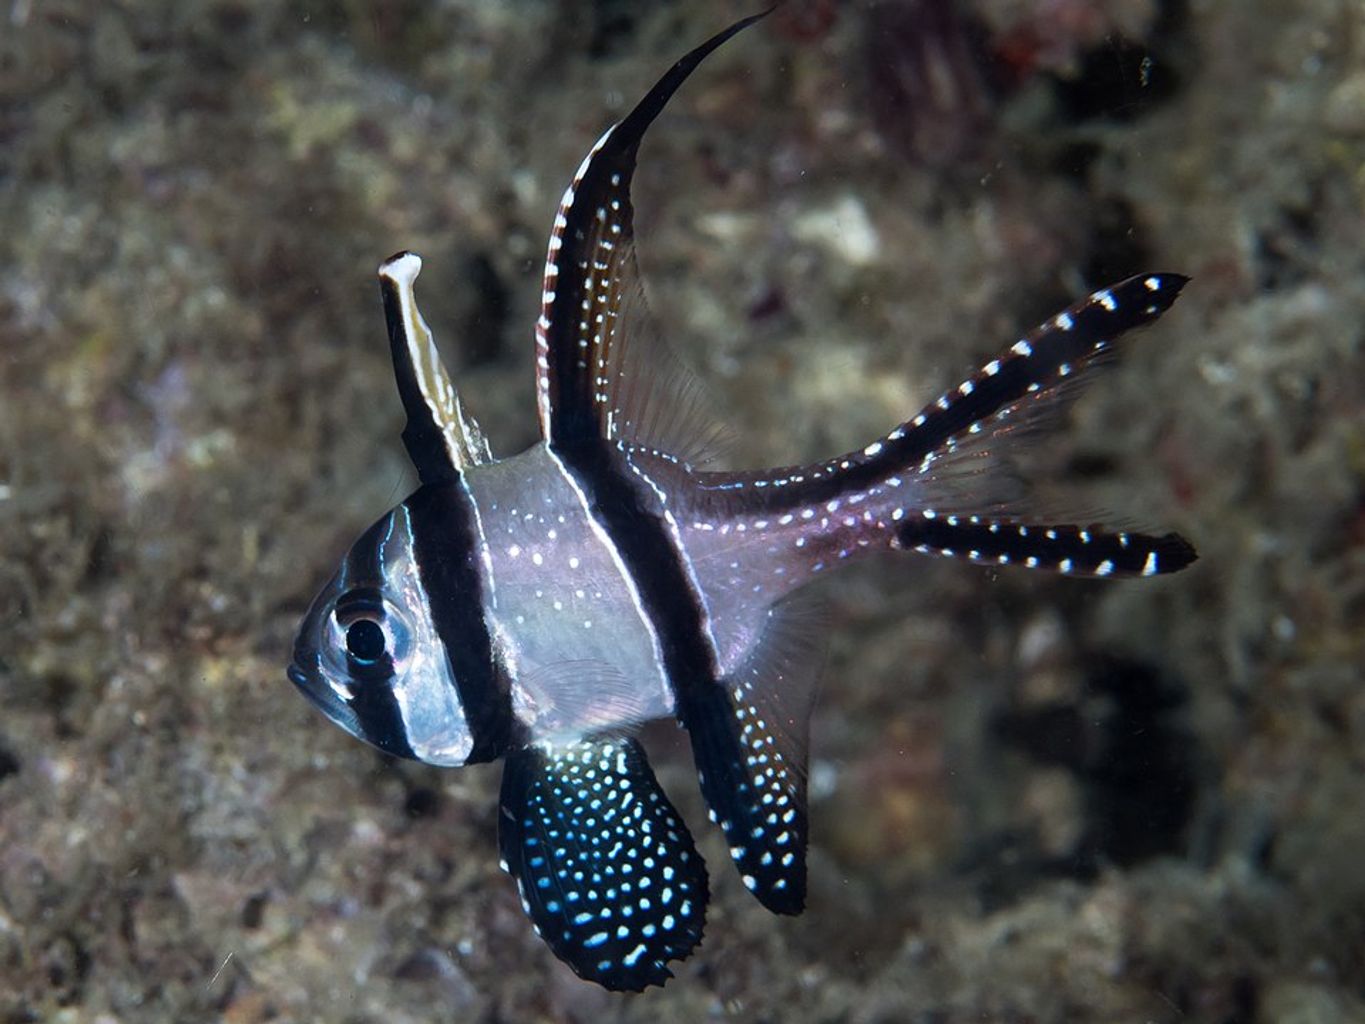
[(538, 609), (580, 654)]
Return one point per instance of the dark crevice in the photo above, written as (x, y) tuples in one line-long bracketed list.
[(1245, 998), (67, 964), (1120, 80), (1140, 788), (1285, 248), (1126, 742), (100, 563), (253, 911), (9, 762), (483, 327), (422, 802), (1118, 247), (613, 26)]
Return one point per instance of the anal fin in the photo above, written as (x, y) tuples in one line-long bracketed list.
[(607, 869), (750, 737)]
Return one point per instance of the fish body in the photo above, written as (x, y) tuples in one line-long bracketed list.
[(540, 608)]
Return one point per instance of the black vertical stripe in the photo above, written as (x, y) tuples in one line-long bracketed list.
[(445, 543), (635, 525), (642, 540), (377, 718)]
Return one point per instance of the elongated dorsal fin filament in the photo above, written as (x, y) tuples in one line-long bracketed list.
[(601, 372)]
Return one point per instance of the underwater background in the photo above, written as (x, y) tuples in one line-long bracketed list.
[(1033, 798)]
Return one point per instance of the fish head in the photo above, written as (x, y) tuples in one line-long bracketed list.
[(369, 656)]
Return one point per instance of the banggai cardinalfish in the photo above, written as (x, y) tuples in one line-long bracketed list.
[(540, 608)]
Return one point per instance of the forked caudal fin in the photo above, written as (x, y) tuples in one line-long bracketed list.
[(933, 484)]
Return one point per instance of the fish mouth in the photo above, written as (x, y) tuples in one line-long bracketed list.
[(323, 697)]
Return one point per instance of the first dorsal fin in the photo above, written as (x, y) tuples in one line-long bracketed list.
[(440, 437), (593, 376)]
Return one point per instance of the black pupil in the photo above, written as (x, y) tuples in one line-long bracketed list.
[(365, 641)]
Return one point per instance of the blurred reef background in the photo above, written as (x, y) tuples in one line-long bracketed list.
[(1034, 799)]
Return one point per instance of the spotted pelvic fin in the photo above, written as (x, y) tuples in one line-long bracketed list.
[(607, 869), (441, 438), (750, 740), (601, 369)]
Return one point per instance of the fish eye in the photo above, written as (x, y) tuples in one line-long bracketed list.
[(365, 641), (369, 634)]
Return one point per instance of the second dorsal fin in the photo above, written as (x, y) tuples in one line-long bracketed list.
[(600, 370)]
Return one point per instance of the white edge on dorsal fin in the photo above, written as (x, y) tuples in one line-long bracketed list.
[(464, 440)]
